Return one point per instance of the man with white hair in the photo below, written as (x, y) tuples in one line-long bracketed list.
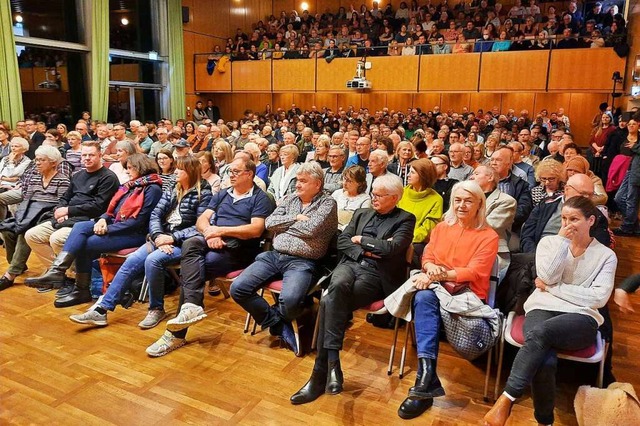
[(374, 247), (458, 170), (378, 161), (134, 126), (304, 224)]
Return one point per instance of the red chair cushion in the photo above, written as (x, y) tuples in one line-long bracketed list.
[(233, 274), (517, 333), (123, 252), (275, 285), (375, 306)]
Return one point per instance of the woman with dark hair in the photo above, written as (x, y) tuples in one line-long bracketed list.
[(124, 225), (190, 130), (352, 196), (172, 222), (443, 184), (576, 275), (167, 166)]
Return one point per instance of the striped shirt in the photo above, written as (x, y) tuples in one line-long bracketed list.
[(52, 193)]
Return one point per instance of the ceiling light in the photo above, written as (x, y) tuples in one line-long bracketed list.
[(124, 21)]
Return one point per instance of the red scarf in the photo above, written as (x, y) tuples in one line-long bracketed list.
[(133, 203)]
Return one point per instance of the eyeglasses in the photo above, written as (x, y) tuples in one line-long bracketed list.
[(334, 156), (376, 196), (236, 172), (548, 179), (583, 193)]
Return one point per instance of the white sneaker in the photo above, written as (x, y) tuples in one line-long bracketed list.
[(165, 344), (190, 314), (153, 318), (91, 317)]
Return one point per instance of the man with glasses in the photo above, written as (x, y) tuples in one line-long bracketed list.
[(83, 129), (458, 170), (363, 150), (243, 139), (374, 247), (520, 168), (35, 137), (333, 173), (304, 224), (162, 143), (230, 230)]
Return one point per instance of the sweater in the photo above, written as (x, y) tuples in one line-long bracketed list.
[(470, 252), (578, 285), (89, 194), (426, 206)]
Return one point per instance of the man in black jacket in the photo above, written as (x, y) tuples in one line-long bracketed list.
[(374, 246), (35, 138)]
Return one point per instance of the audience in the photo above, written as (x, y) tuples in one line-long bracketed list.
[(352, 196)]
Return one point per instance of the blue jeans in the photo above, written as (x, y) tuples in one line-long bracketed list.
[(627, 201), (426, 315), (536, 362), (140, 262), (87, 246), (297, 277)]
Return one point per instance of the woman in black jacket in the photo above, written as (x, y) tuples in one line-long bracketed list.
[(172, 222), (124, 225)]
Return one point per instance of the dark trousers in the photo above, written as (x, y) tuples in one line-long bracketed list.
[(536, 362), (297, 277), (352, 287)]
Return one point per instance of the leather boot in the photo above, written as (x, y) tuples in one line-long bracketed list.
[(55, 275), (427, 382), (412, 408), (499, 413), (335, 379), (312, 389), (81, 292)]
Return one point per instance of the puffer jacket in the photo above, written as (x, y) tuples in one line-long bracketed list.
[(190, 208)]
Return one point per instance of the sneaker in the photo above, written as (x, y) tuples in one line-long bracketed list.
[(65, 290), (190, 314), (153, 318), (289, 337), (213, 289), (165, 344), (90, 317)]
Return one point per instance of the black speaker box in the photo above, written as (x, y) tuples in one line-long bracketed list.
[(185, 14)]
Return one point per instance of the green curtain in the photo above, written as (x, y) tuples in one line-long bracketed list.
[(99, 88), (177, 98), (11, 108)]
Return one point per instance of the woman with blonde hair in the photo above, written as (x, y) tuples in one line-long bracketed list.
[(74, 154), (171, 223), (208, 170), (13, 165), (405, 154), (552, 178), (223, 156)]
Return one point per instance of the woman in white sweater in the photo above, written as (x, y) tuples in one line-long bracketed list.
[(575, 277)]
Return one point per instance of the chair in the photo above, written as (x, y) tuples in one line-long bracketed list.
[(108, 262), (514, 334), (173, 270), (491, 298)]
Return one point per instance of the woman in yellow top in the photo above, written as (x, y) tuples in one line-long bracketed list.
[(423, 201)]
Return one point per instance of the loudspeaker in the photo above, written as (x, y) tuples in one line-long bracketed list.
[(185, 14)]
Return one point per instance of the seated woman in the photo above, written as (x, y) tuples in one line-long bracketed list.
[(405, 154), (124, 149), (552, 178), (261, 169), (420, 199), (462, 249), (273, 158), (352, 196), (74, 154), (283, 180), (173, 221), (443, 184), (124, 225), (208, 170), (41, 193), (223, 155), (13, 165), (579, 164), (575, 277), (167, 166)]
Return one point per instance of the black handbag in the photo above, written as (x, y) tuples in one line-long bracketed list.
[(29, 214)]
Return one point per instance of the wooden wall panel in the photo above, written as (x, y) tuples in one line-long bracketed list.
[(296, 75), (399, 101), (330, 100), (393, 74), (282, 100), (599, 65), (349, 99), (486, 101), (251, 76), (26, 79), (224, 102), (552, 101), (426, 101), (454, 101), (304, 101), (451, 73), (518, 102), (253, 101), (582, 108), (504, 71), (217, 82), (332, 77), (374, 101), (189, 82)]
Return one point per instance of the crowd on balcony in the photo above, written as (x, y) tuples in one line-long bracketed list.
[(412, 29)]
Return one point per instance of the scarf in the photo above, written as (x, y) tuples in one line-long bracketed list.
[(133, 203)]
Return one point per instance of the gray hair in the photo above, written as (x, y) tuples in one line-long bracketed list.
[(380, 155), (24, 144), (312, 169), (135, 123), (290, 149), (391, 183), (50, 152), (474, 189), (127, 145)]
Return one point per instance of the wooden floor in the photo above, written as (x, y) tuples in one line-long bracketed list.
[(55, 372)]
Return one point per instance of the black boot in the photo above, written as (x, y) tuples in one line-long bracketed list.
[(55, 275), (335, 379), (80, 293), (427, 382), (412, 408), (312, 390)]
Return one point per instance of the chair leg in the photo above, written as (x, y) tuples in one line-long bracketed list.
[(392, 351), (296, 332), (223, 288), (316, 327), (601, 368), (247, 323), (255, 323), (144, 289), (403, 356), (499, 372), (485, 396)]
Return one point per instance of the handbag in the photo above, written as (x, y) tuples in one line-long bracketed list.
[(29, 214), (469, 336)]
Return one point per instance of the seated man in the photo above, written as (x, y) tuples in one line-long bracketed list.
[(87, 198), (333, 173), (304, 224), (378, 162), (231, 228), (374, 245)]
